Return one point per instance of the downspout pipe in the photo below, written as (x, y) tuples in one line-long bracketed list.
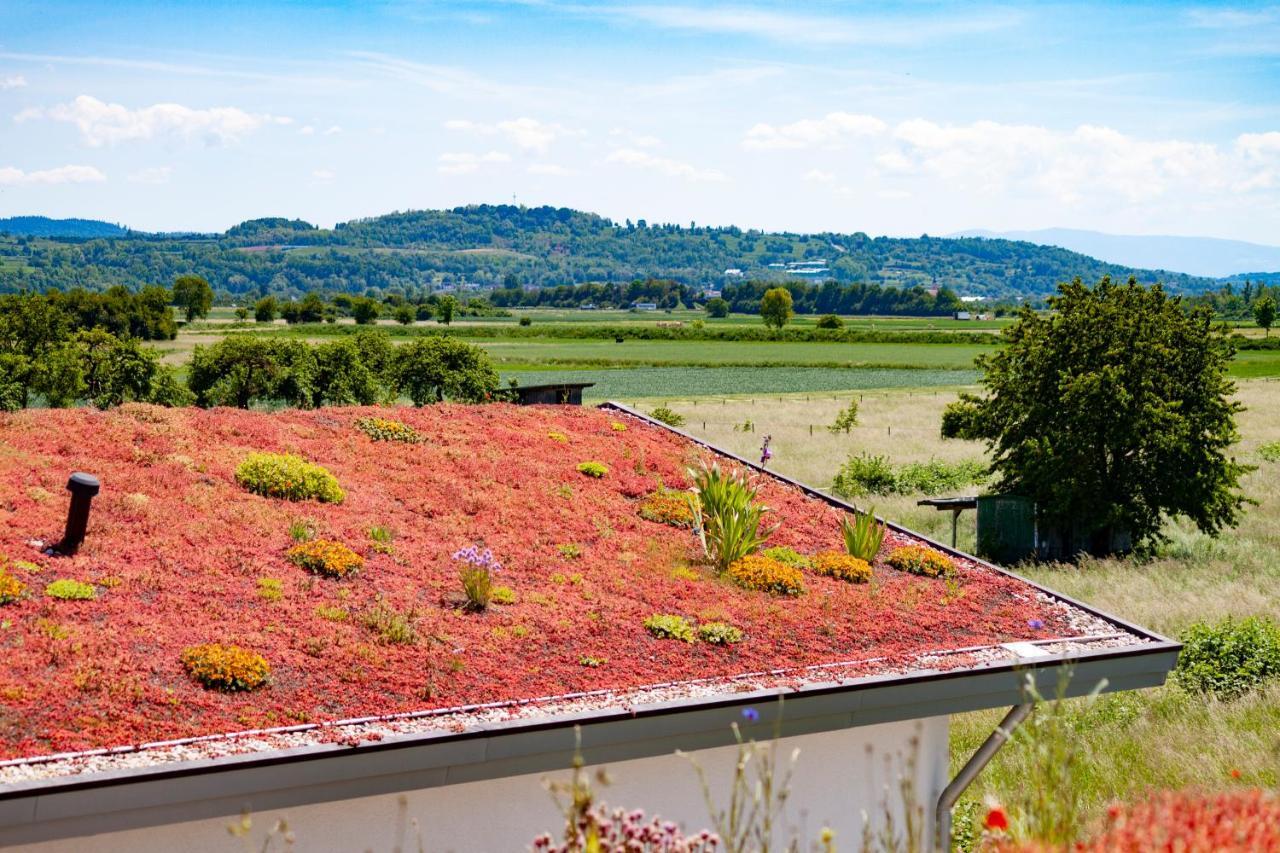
[(971, 769)]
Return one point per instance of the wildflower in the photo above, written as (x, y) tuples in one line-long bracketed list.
[(996, 820), (751, 715), (766, 452), (1235, 773), (1035, 624)]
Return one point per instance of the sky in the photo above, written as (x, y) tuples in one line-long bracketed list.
[(896, 118)]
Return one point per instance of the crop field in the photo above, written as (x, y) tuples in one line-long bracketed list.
[(1129, 742), (628, 384)]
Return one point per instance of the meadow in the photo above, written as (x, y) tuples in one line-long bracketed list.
[(1128, 742)]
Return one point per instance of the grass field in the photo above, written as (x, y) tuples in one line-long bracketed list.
[(1128, 742)]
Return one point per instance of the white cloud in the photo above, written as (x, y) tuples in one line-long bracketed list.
[(152, 175), (10, 176), (323, 175), (466, 162), (818, 176), (528, 134), (333, 130), (830, 131), (1066, 166), (796, 27), (638, 159), (717, 81), (17, 81), (549, 169), (307, 130), (108, 124)]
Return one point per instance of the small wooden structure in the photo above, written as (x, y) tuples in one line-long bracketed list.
[(956, 505), (558, 393)]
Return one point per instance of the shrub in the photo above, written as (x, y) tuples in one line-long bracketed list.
[(384, 429), (617, 426), (283, 475), (593, 469), (766, 575), (478, 569), (842, 567), (526, 321), (667, 416), (667, 506), (846, 420), (71, 590), (1229, 658), (919, 560), (666, 626), (502, 595), (728, 525), (865, 475), (863, 537), (328, 558), (935, 476), (830, 321), (228, 668), (790, 556), (719, 633), (874, 475), (1270, 452), (11, 589)]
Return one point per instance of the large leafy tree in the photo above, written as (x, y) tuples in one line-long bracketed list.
[(1264, 313), (193, 295), (431, 370), (1112, 412), (776, 307)]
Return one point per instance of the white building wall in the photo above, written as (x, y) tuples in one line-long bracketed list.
[(838, 777)]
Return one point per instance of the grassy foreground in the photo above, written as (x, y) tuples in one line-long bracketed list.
[(1129, 742)]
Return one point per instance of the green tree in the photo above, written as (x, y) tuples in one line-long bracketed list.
[(342, 378), (830, 321), (717, 307), (404, 314), (1264, 313), (241, 370), (431, 370), (193, 295), (365, 311), (775, 308), (1112, 413), (265, 309), (242, 313), (445, 308), (115, 371)]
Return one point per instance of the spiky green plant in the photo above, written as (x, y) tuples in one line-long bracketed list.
[(728, 525), (862, 536)]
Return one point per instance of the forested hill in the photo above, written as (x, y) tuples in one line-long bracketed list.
[(539, 247), (43, 226)]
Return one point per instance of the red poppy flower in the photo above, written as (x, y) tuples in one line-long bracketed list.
[(996, 819)]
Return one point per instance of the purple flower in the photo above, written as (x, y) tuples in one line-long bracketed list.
[(473, 556), (1035, 624), (751, 715)]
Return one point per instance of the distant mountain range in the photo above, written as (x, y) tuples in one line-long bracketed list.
[(508, 246), (43, 226), (1201, 256)]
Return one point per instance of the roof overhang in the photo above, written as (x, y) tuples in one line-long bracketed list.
[(71, 806)]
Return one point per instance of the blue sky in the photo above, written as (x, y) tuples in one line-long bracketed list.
[(889, 118)]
